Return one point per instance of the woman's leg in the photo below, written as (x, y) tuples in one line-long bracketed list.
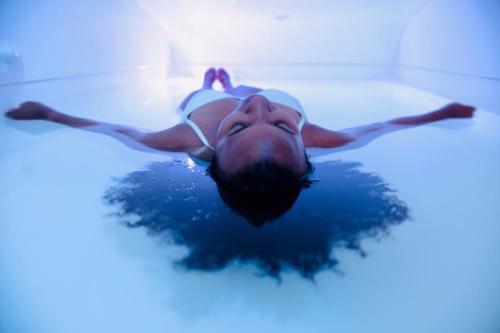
[(223, 76), (210, 76), (239, 91)]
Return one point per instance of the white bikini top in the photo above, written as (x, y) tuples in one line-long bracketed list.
[(205, 96)]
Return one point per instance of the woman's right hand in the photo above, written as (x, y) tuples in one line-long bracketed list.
[(30, 111)]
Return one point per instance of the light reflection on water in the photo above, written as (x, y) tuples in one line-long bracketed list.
[(180, 203)]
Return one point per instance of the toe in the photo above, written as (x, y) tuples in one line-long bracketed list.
[(222, 72), (211, 72)]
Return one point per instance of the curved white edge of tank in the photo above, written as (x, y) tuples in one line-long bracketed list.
[(451, 48)]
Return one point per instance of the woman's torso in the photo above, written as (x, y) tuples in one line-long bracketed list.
[(208, 116)]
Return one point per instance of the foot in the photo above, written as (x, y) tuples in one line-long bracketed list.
[(224, 79), (210, 76)]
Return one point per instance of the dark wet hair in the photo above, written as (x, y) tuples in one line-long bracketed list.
[(262, 191)]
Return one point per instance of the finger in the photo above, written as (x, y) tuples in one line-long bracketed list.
[(10, 113)]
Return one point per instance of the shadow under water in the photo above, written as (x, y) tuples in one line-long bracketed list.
[(181, 204)]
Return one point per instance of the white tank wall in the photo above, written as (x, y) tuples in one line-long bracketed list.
[(420, 42), (456, 36), (453, 49), (60, 38), (262, 32), (326, 39), (57, 37)]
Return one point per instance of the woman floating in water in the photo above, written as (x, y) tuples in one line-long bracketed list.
[(254, 139)]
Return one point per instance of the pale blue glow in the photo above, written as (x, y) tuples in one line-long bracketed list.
[(65, 266)]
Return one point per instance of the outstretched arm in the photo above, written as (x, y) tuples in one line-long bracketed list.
[(173, 139), (316, 136)]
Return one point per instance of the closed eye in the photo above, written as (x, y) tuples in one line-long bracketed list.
[(237, 128), (284, 127)]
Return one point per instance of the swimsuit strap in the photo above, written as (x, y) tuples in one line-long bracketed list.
[(197, 130), (199, 99)]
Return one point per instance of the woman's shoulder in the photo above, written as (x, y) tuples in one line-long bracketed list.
[(315, 136)]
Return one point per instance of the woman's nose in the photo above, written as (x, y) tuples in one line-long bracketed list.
[(257, 105)]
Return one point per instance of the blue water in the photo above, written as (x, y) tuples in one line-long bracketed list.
[(68, 265)]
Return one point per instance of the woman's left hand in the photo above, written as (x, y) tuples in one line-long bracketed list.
[(457, 110)]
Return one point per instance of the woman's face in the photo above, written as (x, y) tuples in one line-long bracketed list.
[(257, 129)]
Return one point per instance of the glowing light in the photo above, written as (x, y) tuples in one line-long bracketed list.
[(190, 164)]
